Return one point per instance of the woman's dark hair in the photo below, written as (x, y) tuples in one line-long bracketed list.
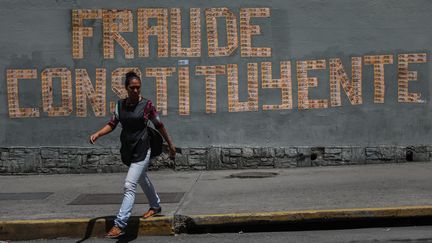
[(130, 76)]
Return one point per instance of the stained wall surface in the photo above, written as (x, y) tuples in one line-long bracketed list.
[(258, 94)]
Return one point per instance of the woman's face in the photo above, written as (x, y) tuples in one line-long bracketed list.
[(134, 89)]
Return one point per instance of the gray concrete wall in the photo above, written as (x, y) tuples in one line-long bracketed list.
[(37, 35)]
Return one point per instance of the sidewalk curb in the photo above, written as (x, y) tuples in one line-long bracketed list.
[(80, 228), (168, 225)]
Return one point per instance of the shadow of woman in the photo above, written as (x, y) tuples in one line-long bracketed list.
[(131, 231)]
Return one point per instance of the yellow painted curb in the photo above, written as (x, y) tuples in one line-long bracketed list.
[(80, 228), (85, 228), (298, 216)]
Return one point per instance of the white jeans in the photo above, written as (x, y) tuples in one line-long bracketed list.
[(136, 175)]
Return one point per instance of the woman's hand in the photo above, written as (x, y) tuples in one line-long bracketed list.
[(94, 137), (172, 152), (105, 130)]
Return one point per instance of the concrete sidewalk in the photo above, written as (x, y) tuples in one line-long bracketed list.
[(214, 198)]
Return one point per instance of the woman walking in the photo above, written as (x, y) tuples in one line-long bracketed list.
[(133, 113)]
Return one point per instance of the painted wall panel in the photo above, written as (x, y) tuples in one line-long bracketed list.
[(38, 35)]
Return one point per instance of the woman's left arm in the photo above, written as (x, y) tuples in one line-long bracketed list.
[(153, 116), (172, 151)]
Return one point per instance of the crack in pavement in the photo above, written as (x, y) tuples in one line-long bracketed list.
[(182, 201), (179, 222)]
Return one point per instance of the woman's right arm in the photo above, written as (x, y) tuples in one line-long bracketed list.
[(109, 127), (105, 130)]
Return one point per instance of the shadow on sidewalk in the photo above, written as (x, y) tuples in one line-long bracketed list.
[(311, 225), (131, 230)]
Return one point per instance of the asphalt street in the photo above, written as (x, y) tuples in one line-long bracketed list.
[(421, 234)]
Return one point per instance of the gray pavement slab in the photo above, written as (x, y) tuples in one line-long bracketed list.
[(24, 195), (66, 188), (216, 192), (366, 186), (114, 198)]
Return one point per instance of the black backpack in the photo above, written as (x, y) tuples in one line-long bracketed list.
[(156, 141)]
